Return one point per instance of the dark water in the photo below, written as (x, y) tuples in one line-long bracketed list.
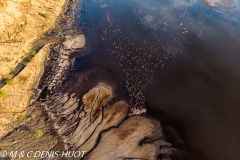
[(178, 56)]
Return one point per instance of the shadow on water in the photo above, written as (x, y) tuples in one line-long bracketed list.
[(177, 57)]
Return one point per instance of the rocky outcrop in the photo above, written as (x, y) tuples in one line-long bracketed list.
[(80, 122), (96, 121), (136, 138), (64, 62)]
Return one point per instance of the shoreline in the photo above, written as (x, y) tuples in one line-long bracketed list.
[(42, 123), (20, 89)]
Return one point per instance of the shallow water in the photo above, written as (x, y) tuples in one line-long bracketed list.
[(180, 57)]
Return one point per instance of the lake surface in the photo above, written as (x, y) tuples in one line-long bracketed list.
[(177, 56)]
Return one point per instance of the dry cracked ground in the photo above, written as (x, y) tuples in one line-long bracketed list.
[(91, 121)]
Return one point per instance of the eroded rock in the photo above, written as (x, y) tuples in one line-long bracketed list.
[(88, 115), (136, 138), (72, 45), (74, 42), (80, 124)]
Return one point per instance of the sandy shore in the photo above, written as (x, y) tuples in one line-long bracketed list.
[(22, 23)]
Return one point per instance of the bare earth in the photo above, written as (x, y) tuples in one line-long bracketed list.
[(22, 23)]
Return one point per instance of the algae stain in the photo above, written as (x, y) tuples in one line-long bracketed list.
[(3, 93), (38, 133)]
